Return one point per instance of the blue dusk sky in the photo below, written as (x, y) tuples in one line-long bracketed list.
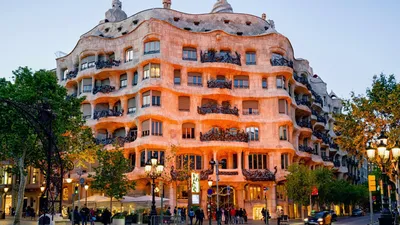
[(345, 41)]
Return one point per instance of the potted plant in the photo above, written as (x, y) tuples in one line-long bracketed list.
[(118, 219)]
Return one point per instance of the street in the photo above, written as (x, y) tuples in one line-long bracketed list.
[(364, 220)]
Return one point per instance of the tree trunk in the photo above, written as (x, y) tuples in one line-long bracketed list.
[(21, 190), (302, 212), (111, 204)]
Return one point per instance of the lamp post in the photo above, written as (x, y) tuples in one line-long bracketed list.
[(153, 170), (217, 164), (209, 202), (381, 156), (69, 180), (86, 192)]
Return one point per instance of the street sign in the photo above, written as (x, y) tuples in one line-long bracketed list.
[(371, 183), (209, 191), (228, 190), (314, 191), (82, 181), (266, 189)]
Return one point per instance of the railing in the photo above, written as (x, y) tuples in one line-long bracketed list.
[(219, 84), (334, 146), (73, 95), (103, 89), (212, 108), (119, 141), (303, 102), (302, 80), (145, 133), (213, 56), (278, 60), (251, 112), (259, 175), (336, 163), (304, 123), (318, 98), (107, 64), (319, 117), (106, 113), (233, 172), (304, 148), (72, 74), (317, 134), (227, 135)]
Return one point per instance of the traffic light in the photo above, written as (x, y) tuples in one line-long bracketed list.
[(76, 190)]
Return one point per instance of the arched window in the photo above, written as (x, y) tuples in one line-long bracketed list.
[(280, 82), (151, 70), (88, 62), (129, 55)]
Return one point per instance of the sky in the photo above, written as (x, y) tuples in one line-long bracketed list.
[(346, 42)]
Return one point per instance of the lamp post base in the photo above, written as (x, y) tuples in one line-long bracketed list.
[(385, 221)]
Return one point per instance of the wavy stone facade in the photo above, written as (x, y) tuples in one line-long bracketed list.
[(250, 103)]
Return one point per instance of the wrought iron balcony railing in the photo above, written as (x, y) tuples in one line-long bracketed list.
[(259, 175), (225, 57), (119, 141), (334, 146), (219, 84), (303, 102), (278, 60), (304, 123), (304, 148), (72, 74), (317, 97), (106, 113), (212, 108), (302, 80), (107, 64), (336, 163), (103, 89), (224, 135)]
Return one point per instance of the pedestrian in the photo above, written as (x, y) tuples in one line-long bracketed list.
[(106, 217), (233, 214), (226, 215), (77, 216), (267, 216), (184, 215), (92, 217), (191, 216), (84, 214), (196, 214), (245, 215), (219, 216), (201, 217), (222, 215), (279, 216), (241, 221)]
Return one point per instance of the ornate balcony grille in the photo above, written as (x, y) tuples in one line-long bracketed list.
[(304, 123), (334, 146), (304, 148), (212, 108), (103, 89), (336, 163), (259, 175), (119, 141), (219, 84), (303, 102), (317, 97), (72, 74), (213, 56), (278, 60), (227, 135), (107, 64), (106, 113)]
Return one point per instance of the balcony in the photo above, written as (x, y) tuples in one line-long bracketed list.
[(212, 108), (303, 102), (219, 84), (304, 123), (103, 89), (251, 112), (317, 97), (304, 148), (119, 141), (72, 74), (302, 80), (73, 95), (218, 57), (106, 113), (278, 60), (227, 135), (320, 118), (259, 175), (334, 146), (107, 64), (336, 163)]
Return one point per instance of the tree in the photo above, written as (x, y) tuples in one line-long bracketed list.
[(298, 184), (323, 178), (23, 143), (110, 176)]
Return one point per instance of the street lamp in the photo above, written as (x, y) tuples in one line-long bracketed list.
[(86, 189), (6, 189), (69, 179), (217, 164), (42, 188), (153, 170), (210, 183), (382, 159)]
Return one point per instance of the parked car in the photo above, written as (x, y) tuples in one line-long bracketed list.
[(334, 215), (358, 212), (319, 218)]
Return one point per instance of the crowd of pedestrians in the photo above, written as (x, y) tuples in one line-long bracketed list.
[(86, 216), (231, 216)]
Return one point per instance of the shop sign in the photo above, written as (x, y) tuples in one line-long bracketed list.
[(195, 182)]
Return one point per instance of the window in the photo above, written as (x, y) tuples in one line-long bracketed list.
[(253, 133), (132, 160), (188, 131), (132, 106), (241, 82), (235, 161), (156, 128), (250, 108), (283, 106), (155, 98), (189, 54), (255, 192), (86, 111), (87, 85), (264, 83), (258, 161), (123, 81), (280, 82), (146, 155), (129, 55), (184, 103), (182, 191), (189, 162), (280, 192), (64, 73), (284, 161), (152, 47), (135, 78), (177, 77), (146, 99), (145, 128), (88, 62), (250, 58), (195, 79), (283, 130), (151, 70)]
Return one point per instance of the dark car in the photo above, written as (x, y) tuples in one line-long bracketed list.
[(358, 212), (319, 218)]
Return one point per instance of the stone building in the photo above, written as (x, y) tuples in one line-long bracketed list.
[(219, 86)]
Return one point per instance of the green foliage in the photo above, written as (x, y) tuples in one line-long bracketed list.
[(342, 192), (323, 178), (299, 183), (110, 176)]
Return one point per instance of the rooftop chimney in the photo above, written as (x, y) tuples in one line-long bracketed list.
[(167, 4)]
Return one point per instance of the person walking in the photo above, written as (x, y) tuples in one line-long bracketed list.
[(196, 214), (226, 215), (92, 217), (106, 217), (77, 216), (233, 214), (201, 217), (191, 216), (84, 214), (245, 215), (219, 216), (240, 214), (279, 216)]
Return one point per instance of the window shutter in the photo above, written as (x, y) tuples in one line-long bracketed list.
[(250, 104), (87, 109), (155, 93), (132, 103), (184, 103), (282, 106), (146, 125), (87, 81)]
